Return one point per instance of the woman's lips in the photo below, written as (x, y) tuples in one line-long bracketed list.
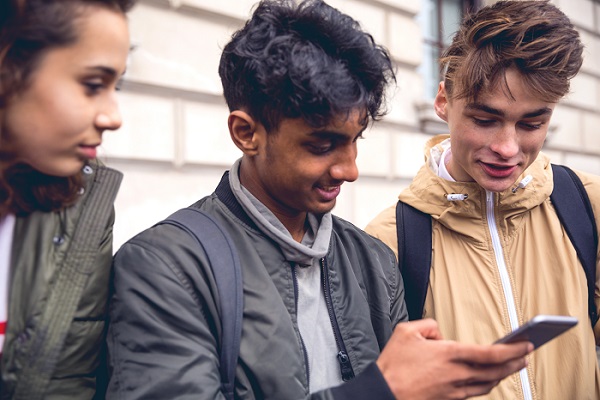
[(88, 152)]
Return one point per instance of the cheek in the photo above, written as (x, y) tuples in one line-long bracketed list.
[(31, 119), (29, 134), (463, 144), (15, 128), (533, 144), (474, 140)]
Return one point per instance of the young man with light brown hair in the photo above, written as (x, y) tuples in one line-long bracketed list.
[(500, 254)]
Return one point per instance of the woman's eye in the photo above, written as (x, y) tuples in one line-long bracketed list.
[(93, 87)]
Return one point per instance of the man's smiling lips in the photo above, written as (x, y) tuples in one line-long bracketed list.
[(497, 170), (328, 193)]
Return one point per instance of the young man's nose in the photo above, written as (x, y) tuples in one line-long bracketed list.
[(505, 142), (345, 168)]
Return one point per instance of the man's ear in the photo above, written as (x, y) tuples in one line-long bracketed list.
[(440, 104), (243, 131)]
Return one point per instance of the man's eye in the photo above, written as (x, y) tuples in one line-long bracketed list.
[(483, 122), (320, 148), (531, 126)]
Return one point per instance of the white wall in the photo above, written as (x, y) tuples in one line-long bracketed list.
[(174, 145)]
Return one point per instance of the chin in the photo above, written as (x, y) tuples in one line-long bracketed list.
[(497, 187), (64, 172), (324, 209)]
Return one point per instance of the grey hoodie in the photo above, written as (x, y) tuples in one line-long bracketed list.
[(313, 318)]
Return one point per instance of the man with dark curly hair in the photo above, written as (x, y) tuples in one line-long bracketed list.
[(323, 301)]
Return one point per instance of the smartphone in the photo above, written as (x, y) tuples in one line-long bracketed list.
[(540, 329)]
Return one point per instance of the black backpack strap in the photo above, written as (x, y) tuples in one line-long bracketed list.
[(414, 256), (575, 212), (227, 271)]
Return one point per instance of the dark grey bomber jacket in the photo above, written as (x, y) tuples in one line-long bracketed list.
[(162, 345)]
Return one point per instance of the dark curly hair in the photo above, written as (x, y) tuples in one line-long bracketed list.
[(306, 61), (28, 29), (534, 37)]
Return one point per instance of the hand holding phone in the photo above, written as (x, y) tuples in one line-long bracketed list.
[(540, 329)]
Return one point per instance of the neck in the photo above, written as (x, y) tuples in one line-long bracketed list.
[(295, 222), (296, 226)]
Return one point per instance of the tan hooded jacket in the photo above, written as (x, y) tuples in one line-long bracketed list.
[(466, 293)]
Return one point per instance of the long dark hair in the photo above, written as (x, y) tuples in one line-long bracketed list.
[(28, 29)]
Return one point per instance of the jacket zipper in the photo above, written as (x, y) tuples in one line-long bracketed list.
[(304, 353), (342, 355), (506, 286)]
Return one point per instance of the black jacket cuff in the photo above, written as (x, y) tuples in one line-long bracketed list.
[(370, 384)]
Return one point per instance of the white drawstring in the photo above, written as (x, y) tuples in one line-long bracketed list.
[(463, 196), (523, 183), (456, 196)]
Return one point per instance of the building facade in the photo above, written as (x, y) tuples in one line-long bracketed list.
[(174, 144)]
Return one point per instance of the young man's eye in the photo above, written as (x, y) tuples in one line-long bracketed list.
[(320, 148), (531, 126), (483, 122)]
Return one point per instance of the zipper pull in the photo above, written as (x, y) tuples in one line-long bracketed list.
[(345, 367)]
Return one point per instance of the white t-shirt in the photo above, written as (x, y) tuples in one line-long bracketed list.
[(7, 227)]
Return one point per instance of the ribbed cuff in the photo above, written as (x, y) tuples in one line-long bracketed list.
[(370, 384)]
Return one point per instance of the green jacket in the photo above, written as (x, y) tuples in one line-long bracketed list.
[(59, 258), (164, 335)]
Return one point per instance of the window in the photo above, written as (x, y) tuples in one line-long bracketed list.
[(439, 20)]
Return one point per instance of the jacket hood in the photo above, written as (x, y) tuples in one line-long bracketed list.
[(429, 193)]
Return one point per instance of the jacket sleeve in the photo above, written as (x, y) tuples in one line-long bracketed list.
[(383, 227), (592, 186), (161, 340), (399, 312), (370, 384), (160, 344)]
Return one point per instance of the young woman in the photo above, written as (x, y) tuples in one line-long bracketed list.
[(60, 62)]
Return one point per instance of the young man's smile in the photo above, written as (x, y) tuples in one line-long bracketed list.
[(297, 168), (496, 138), (329, 193)]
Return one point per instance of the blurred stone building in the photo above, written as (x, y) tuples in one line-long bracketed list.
[(174, 144)]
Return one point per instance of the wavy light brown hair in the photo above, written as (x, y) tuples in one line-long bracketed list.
[(28, 30), (534, 37)]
